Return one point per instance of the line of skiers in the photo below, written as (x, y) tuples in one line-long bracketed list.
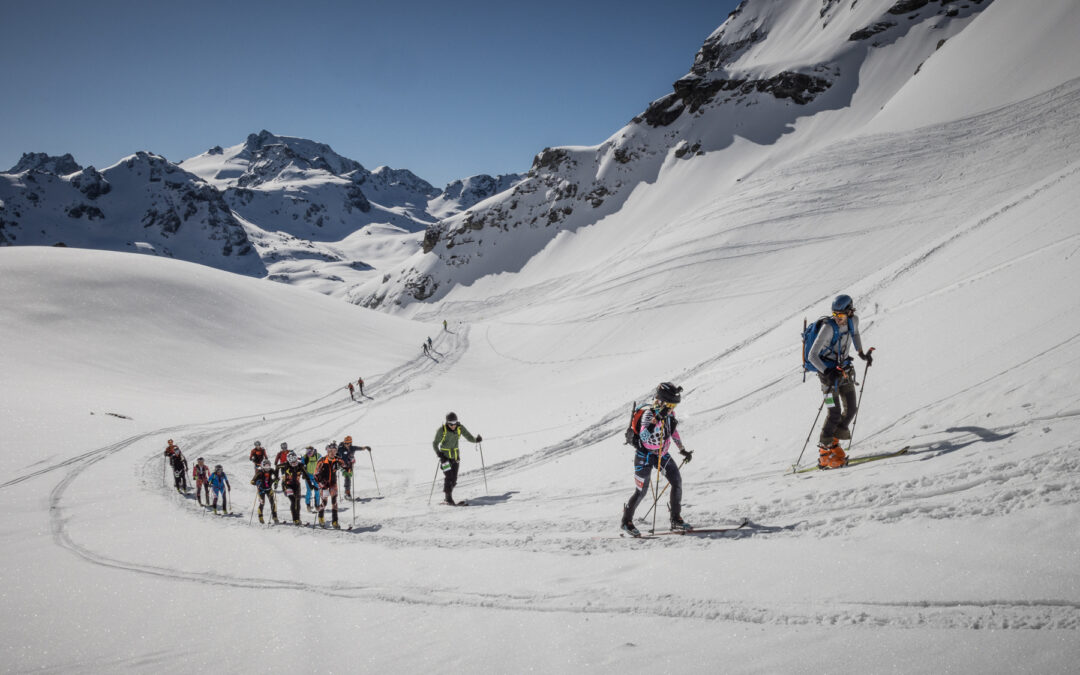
[(653, 428), (206, 481)]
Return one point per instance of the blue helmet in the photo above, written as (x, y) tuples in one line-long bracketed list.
[(843, 303)]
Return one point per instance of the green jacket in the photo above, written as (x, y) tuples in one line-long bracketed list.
[(446, 441), (310, 462)]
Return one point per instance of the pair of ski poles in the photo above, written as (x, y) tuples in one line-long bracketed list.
[(438, 465)]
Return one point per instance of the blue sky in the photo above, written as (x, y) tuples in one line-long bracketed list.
[(445, 89)]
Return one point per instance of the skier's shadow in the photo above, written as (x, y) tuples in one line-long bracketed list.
[(489, 500), (363, 529), (432, 358), (981, 435)]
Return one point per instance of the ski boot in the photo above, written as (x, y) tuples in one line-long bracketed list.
[(831, 456), (261, 519), (322, 521), (335, 525), (628, 527), (679, 525), (296, 521), (276, 521)]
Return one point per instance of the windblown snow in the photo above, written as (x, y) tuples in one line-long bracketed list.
[(954, 231)]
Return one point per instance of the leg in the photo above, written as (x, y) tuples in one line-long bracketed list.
[(643, 465), (333, 499), (849, 398), (671, 470), (832, 417), (450, 480)]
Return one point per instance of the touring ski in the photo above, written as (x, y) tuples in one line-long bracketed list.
[(857, 460)]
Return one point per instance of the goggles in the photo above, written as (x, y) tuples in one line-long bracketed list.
[(669, 406)]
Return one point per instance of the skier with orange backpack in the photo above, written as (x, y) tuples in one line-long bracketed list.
[(201, 473), (653, 428), (326, 476)]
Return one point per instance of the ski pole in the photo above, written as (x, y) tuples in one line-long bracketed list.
[(813, 426), (438, 463), (858, 404), (484, 468), (373, 472), (251, 520)]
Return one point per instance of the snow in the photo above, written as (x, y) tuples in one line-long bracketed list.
[(958, 240)]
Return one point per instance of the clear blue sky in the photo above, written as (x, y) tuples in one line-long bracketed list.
[(445, 89)]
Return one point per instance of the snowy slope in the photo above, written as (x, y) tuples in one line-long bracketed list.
[(958, 240)]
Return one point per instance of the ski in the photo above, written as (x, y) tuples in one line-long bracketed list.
[(702, 530), (852, 461)]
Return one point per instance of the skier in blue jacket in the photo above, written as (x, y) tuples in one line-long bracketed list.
[(219, 483)]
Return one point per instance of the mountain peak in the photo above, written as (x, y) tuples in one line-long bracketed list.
[(62, 165)]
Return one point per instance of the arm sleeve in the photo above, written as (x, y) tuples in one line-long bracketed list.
[(438, 439), (856, 337), (824, 337), (465, 432)]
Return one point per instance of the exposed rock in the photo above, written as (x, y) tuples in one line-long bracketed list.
[(40, 161)]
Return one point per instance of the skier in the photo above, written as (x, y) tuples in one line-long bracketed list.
[(446, 449), (444, 326), (180, 469), (360, 383), (326, 477), (257, 455), (659, 428), (352, 395), (170, 448), (347, 452), (291, 472), (265, 480), (219, 482), (424, 347), (429, 342), (311, 461), (281, 459), (829, 355), (201, 473)]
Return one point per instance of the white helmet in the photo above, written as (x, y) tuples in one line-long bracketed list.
[(292, 458), (266, 464)]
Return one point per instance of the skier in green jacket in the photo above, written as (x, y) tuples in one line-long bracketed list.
[(446, 448)]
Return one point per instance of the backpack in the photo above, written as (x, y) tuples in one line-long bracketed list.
[(632, 436), (810, 333)]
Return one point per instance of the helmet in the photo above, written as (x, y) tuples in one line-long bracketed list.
[(348, 440), (170, 441), (451, 417), (284, 446), (331, 447), (199, 460), (843, 304), (668, 393), (217, 467), (292, 458), (266, 464), (258, 444)]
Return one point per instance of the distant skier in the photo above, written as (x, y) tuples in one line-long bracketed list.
[(360, 383), (444, 326), (658, 429), (201, 473), (292, 472), (352, 391), (326, 477), (424, 347), (257, 455), (311, 461), (430, 346), (282, 458), (829, 355), (347, 452), (219, 483), (445, 444), (179, 469), (265, 480)]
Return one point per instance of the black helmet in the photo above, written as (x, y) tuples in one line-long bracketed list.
[(451, 417), (218, 467), (843, 304), (668, 393)]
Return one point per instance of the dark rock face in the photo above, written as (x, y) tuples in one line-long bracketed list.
[(871, 30), (91, 183), (91, 212), (39, 161)]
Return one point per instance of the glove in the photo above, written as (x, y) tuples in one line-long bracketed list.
[(868, 357), (479, 438), (687, 455), (368, 448)]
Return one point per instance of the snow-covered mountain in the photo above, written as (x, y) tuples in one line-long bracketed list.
[(776, 79), (298, 211), (144, 203)]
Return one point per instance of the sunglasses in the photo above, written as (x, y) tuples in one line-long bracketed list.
[(670, 406)]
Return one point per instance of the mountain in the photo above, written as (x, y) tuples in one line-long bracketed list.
[(774, 81), (144, 203), (287, 208)]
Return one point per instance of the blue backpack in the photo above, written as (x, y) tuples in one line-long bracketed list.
[(810, 333)]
